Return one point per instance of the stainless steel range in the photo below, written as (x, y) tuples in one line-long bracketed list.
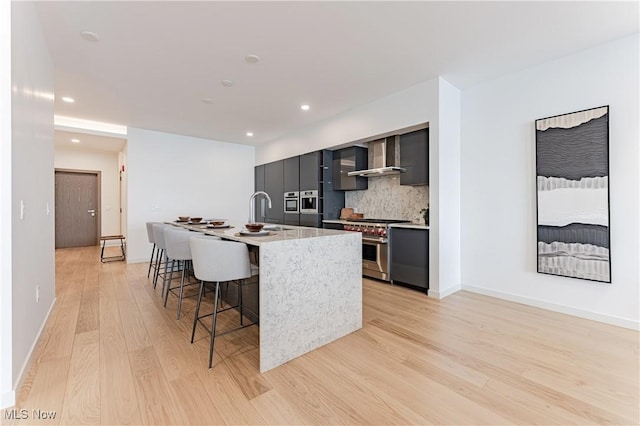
[(375, 258)]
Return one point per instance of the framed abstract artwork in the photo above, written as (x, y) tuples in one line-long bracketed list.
[(572, 187)]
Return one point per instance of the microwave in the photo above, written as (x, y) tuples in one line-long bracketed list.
[(309, 202)]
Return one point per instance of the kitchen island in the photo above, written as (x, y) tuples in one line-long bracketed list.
[(310, 290)]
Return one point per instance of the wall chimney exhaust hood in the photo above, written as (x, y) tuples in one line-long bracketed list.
[(384, 158)]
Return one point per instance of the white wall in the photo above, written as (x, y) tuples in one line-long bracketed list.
[(498, 181), (444, 210), (32, 138), (105, 162), (7, 395), (172, 175), (418, 104)]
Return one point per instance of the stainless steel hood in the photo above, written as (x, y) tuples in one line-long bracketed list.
[(384, 158)]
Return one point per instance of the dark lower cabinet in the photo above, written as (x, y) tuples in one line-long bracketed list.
[(312, 220), (292, 219), (337, 226), (409, 257)]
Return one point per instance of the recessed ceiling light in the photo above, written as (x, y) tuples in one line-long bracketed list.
[(249, 133), (227, 83), (89, 36), (68, 99), (207, 100), (252, 59), (304, 107), (75, 140)]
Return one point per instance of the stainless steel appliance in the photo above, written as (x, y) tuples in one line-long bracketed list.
[(375, 251), (309, 202), (384, 158), (291, 202)]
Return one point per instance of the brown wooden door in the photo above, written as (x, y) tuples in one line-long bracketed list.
[(77, 209)]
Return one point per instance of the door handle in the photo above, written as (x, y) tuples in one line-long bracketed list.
[(92, 211)]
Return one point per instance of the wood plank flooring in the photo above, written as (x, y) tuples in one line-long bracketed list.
[(111, 354)]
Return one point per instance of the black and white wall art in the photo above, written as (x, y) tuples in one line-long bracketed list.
[(572, 173)]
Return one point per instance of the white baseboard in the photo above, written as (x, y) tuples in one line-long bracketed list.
[(129, 260), (27, 362), (444, 293), (581, 313)]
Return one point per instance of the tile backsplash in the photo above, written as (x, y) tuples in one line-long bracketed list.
[(387, 199)]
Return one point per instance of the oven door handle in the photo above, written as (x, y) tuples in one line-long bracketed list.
[(374, 240)]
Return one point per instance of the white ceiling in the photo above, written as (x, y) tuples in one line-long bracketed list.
[(155, 61)]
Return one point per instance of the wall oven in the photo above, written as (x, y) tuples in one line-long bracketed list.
[(291, 202), (309, 202)]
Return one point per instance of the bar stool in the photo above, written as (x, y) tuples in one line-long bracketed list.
[(158, 238), (153, 249), (219, 261), (177, 249)]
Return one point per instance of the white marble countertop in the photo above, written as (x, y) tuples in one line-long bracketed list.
[(409, 225), (282, 233)]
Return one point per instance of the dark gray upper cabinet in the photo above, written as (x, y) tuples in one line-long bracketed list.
[(260, 211), (409, 257), (274, 186), (332, 200), (310, 171), (414, 156), (292, 174), (348, 160)]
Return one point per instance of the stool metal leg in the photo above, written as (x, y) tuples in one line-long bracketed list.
[(184, 266), (158, 265), (153, 251), (240, 300), (196, 317), (213, 323), (166, 286)]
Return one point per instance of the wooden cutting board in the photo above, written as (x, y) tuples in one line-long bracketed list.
[(346, 213)]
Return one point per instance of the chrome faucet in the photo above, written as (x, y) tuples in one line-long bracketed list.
[(252, 204)]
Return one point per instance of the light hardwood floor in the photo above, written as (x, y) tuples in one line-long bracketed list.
[(111, 354)]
